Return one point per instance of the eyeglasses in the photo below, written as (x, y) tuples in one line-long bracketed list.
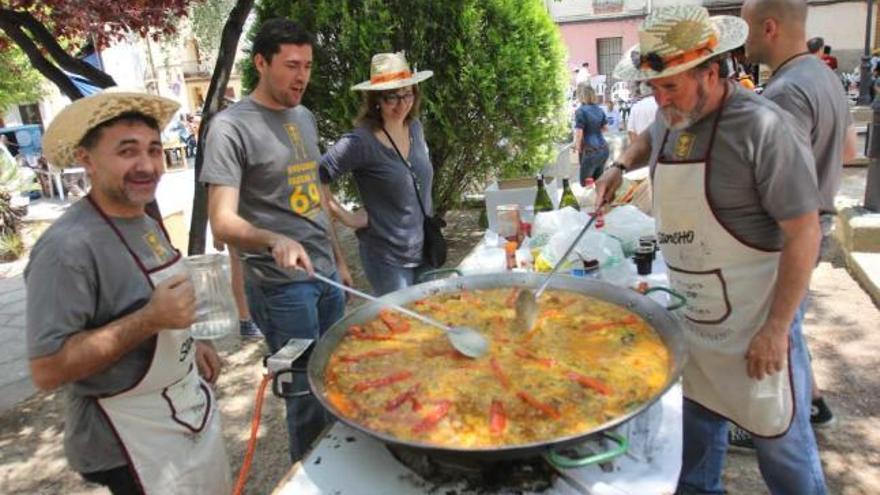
[(395, 98)]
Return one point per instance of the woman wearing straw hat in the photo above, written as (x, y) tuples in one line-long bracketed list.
[(388, 157), (736, 205)]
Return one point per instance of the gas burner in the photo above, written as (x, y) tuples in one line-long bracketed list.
[(440, 473)]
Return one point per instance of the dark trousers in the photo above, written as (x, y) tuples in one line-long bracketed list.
[(120, 481), (297, 310)]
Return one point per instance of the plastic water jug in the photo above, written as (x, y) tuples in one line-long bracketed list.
[(216, 313)]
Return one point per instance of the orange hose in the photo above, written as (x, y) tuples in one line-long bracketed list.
[(252, 442)]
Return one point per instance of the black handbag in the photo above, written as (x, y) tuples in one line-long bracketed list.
[(434, 249)]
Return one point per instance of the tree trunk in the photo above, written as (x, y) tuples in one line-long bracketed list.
[(51, 72), (213, 104), (62, 58)]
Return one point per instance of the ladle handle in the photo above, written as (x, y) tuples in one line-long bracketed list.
[(368, 297), (567, 252)]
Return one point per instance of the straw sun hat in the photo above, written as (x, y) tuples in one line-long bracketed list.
[(675, 39), (74, 121), (391, 71)]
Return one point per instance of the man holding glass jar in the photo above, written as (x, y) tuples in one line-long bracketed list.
[(109, 305)]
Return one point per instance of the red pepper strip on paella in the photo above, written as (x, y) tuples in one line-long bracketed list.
[(547, 409), (527, 354), (366, 355), (358, 332), (432, 418), (398, 401), (510, 302), (499, 373), (382, 381), (592, 327), (497, 418), (588, 382), (395, 323)]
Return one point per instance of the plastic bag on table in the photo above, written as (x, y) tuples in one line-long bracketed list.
[(548, 223), (593, 245), (627, 223), (485, 260)]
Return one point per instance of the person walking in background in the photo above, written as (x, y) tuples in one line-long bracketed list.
[(264, 199), (812, 94), (583, 74), (612, 115), (642, 113), (814, 46), (589, 123), (829, 59), (247, 328), (388, 157)]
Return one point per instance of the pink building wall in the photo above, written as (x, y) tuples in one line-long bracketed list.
[(580, 38)]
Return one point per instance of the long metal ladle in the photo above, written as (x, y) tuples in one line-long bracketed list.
[(465, 340), (527, 301)]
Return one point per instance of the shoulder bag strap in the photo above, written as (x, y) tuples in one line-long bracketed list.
[(412, 174)]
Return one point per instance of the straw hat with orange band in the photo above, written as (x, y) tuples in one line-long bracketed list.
[(675, 39), (391, 71)]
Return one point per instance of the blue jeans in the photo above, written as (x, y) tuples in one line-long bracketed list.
[(385, 278), (593, 164), (297, 310), (789, 464)]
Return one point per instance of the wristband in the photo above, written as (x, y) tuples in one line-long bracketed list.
[(619, 166)]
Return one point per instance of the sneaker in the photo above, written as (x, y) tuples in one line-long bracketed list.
[(820, 415), (248, 329), (740, 439)]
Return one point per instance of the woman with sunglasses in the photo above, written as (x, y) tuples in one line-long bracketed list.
[(590, 122), (388, 157)]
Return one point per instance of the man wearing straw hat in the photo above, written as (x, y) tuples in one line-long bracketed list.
[(261, 162), (735, 199), (109, 303)]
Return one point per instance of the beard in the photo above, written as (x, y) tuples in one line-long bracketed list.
[(134, 191), (677, 119)]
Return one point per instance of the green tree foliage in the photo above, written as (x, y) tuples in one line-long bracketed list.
[(208, 18), (19, 82), (495, 103)]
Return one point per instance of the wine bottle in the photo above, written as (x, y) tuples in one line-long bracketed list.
[(542, 199), (568, 198)]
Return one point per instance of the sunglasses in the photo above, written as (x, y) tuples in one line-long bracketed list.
[(395, 98), (657, 64), (651, 59)]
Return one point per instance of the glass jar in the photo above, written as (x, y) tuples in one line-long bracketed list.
[(216, 313), (508, 222)]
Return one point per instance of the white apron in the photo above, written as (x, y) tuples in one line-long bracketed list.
[(168, 423), (729, 289)]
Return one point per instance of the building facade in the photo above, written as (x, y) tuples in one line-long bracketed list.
[(600, 31)]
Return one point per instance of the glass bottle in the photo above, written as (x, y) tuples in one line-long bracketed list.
[(568, 198), (542, 199)]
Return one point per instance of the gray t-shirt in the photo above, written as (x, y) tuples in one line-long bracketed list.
[(812, 93), (759, 172), (271, 156), (81, 277), (395, 233)]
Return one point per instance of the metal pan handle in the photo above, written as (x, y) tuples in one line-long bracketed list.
[(276, 384), (679, 299), (564, 462)]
